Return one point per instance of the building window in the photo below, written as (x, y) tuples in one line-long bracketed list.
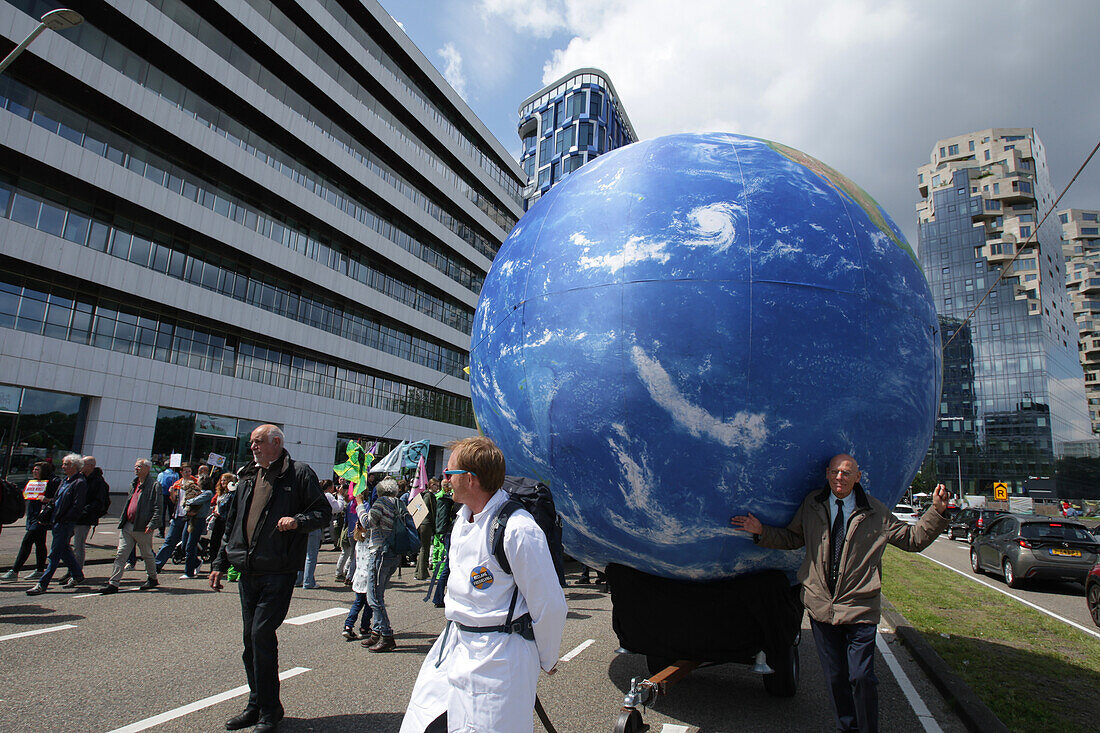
[(987, 154), (546, 150), (952, 149), (544, 177), (36, 425), (1025, 231), (1084, 217), (576, 105), (565, 140), (584, 134), (972, 146), (595, 108)]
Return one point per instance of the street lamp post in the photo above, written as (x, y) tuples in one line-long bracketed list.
[(959, 463), (55, 20)]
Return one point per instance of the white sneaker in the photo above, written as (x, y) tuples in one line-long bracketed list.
[(10, 575), (129, 566), (185, 576)]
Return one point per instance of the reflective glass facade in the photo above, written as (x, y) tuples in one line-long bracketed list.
[(1013, 389), (274, 211), (568, 123)]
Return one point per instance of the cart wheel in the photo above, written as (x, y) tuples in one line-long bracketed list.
[(784, 681), (655, 664), (630, 721)]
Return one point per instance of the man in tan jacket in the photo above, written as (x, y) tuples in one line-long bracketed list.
[(845, 531)]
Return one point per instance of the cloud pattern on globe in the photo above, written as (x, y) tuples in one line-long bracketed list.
[(688, 328)]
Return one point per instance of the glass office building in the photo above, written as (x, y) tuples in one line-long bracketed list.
[(1013, 390), (566, 124), (214, 215)]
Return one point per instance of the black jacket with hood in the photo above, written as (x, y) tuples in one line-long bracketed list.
[(295, 493)]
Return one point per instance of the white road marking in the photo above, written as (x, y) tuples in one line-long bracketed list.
[(911, 694), (97, 593), (319, 616), (198, 705), (579, 648), (1074, 624), (36, 632), (674, 728)]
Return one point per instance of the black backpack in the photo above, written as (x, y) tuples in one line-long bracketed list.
[(12, 506), (535, 497), (404, 540)]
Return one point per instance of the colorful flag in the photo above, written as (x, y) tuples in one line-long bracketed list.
[(421, 482)]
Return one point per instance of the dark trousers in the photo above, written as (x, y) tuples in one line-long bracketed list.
[(265, 600), (217, 529), (35, 538), (61, 551), (847, 654)]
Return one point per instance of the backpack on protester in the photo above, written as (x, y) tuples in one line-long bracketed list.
[(12, 504), (404, 539), (535, 497)]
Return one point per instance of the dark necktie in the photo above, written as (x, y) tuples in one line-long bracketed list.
[(836, 542)]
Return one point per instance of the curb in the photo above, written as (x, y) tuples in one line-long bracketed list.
[(974, 713)]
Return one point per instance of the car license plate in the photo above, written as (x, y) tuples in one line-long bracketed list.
[(1065, 553)]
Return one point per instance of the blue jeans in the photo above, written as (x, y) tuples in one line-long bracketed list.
[(847, 654), (195, 528), (359, 604), (382, 566), (265, 600), (175, 534), (61, 551), (313, 547)]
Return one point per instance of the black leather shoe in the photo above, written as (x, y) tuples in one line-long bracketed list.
[(108, 589), (266, 726), (246, 719), (149, 584)]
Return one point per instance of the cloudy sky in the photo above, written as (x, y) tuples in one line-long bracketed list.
[(867, 87)]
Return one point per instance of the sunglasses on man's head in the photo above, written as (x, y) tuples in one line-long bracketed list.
[(457, 471)]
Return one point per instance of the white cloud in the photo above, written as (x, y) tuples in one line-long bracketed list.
[(867, 86), (452, 72)]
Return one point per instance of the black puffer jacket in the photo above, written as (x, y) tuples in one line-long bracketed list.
[(295, 493), (97, 500)]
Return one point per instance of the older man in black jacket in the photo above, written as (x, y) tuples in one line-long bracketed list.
[(135, 527), (277, 504), (67, 506)]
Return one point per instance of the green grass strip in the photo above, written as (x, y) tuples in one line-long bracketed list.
[(1035, 673)]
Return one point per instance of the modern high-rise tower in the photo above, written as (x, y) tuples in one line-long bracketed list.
[(1013, 394), (217, 214), (566, 124), (1081, 246)]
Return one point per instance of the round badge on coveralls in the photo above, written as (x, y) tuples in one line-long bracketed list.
[(481, 578)]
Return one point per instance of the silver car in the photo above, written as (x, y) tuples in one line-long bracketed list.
[(1028, 546)]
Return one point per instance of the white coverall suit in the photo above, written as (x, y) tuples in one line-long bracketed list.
[(485, 681)]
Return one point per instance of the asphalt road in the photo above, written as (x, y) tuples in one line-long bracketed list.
[(1062, 598), (121, 659)]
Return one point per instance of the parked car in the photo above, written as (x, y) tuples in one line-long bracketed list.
[(906, 513), (1092, 593), (968, 522), (1027, 546)]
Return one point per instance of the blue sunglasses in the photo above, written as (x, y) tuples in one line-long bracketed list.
[(457, 471)]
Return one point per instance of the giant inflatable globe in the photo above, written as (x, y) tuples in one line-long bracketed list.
[(688, 328)]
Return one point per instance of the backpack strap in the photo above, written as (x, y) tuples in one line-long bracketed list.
[(496, 535)]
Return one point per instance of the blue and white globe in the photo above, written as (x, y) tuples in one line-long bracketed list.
[(688, 328)]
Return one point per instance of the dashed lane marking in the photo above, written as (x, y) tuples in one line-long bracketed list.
[(911, 694), (97, 593), (578, 649), (36, 632), (198, 705), (675, 728), (1013, 596), (318, 616)]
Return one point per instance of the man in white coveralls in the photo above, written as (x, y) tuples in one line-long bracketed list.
[(479, 674)]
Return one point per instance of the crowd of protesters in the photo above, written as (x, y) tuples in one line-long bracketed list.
[(186, 506), (278, 505)]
